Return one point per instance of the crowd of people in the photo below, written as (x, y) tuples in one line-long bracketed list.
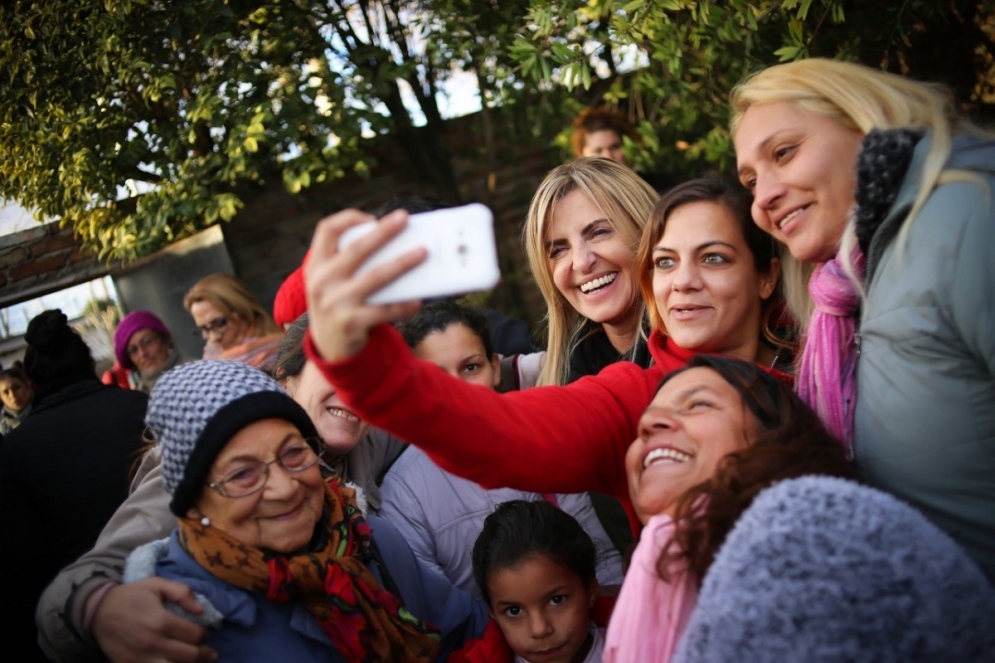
[(761, 426)]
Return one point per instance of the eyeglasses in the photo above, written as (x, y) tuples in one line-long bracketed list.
[(142, 344), (251, 475), (219, 324)]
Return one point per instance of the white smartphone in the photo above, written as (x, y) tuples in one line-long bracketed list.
[(462, 255)]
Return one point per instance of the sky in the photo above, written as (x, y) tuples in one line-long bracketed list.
[(14, 218)]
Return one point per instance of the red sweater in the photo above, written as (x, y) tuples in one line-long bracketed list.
[(560, 439)]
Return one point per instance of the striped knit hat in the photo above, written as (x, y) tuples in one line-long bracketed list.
[(196, 408)]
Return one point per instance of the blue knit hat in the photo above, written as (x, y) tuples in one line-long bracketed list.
[(196, 408)]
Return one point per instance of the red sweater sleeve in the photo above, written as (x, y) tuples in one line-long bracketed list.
[(548, 439), (491, 647)]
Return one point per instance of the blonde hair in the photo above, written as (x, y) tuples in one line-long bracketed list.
[(229, 295), (859, 98), (625, 199)]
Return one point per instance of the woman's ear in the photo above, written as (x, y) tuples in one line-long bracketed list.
[(194, 514), (768, 281)]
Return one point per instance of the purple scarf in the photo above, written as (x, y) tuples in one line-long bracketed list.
[(826, 376)]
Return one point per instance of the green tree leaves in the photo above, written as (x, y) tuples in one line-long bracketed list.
[(686, 55), (138, 122)]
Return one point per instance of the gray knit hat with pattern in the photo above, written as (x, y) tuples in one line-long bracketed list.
[(196, 408)]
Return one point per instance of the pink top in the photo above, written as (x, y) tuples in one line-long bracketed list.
[(650, 613)]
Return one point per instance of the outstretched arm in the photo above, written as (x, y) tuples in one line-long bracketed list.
[(549, 439)]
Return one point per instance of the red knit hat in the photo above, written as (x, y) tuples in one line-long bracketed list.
[(290, 301)]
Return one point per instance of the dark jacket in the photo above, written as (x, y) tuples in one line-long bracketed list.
[(63, 473)]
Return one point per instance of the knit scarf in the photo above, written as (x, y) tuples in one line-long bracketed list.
[(651, 613), (363, 621), (827, 374), (259, 352)]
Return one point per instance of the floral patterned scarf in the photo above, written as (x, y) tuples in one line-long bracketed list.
[(363, 621)]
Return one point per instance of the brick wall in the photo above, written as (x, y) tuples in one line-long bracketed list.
[(41, 260)]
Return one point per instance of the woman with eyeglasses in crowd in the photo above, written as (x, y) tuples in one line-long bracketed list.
[(86, 609), (232, 321)]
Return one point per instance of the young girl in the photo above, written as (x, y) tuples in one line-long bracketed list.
[(535, 568), (16, 394)]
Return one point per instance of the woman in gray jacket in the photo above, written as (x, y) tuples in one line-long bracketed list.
[(872, 180)]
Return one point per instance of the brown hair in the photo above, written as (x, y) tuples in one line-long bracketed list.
[(736, 200), (596, 119), (792, 442)]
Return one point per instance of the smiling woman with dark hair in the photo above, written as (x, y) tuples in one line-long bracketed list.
[(716, 434), (745, 498)]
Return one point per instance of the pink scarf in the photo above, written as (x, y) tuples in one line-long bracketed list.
[(650, 614), (826, 376)]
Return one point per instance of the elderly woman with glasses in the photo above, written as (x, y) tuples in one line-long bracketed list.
[(232, 321), (282, 560)]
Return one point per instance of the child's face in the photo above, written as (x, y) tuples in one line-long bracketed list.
[(459, 351), (14, 393), (543, 610)]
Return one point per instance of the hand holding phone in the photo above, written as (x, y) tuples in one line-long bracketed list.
[(462, 255)]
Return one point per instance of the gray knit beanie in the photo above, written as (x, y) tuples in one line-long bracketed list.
[(824, 570), (196, 408)]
